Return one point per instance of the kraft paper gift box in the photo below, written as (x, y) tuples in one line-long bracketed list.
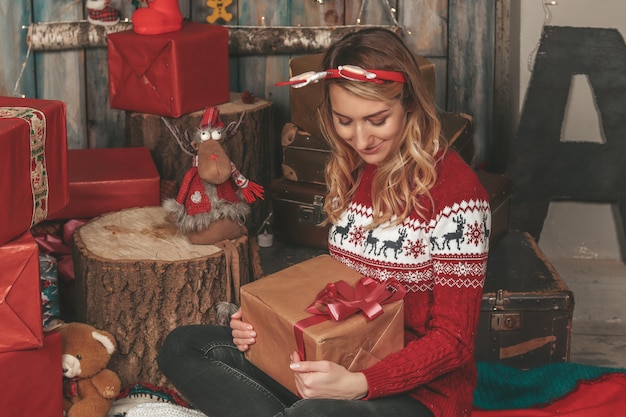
[(304, 101), (31, 381), (169, 74), (33, 163), (110, 179), (21, 319), (274, 304)]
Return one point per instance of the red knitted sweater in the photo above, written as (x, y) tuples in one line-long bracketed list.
[(442, 262)]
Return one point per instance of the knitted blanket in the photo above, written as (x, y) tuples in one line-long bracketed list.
[(557, 389)]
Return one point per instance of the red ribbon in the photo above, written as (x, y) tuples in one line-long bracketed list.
[(338, 301), (70, 387), (61, 248)]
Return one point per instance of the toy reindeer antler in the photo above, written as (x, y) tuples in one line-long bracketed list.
[(184, 141), (233, 127)]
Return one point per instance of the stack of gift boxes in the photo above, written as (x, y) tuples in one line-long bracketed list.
[(34, 185), (46, 190)]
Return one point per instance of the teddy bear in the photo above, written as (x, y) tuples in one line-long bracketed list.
[(89, 388)]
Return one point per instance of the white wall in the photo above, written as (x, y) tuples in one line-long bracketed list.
[(562, 235)]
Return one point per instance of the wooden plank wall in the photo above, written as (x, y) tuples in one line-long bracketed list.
[(458, 36)]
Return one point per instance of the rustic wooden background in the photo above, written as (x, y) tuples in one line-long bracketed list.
[(458, 36)]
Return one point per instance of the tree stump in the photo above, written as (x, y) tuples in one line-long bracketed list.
[(252, 149), (138, 278)]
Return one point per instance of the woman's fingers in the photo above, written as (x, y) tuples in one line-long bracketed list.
[(243, 333)]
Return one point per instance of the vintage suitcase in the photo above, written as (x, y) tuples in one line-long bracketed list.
[(298, 211), (305, 155), (527, 309), (458, 129), (500, 189)]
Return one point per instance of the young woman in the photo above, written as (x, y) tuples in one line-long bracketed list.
[(414, 211)]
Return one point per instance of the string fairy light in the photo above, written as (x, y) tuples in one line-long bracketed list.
[(21, 74), (60, 12), (547, 18), (391, 10)]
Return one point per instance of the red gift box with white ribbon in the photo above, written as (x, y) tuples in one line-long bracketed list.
[(33, 164)]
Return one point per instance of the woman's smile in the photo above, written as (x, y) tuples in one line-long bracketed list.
[(371, 150)]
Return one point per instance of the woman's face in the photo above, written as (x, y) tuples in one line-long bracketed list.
[(373, 128)]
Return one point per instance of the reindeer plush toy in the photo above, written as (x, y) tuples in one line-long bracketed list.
[(213, 199)]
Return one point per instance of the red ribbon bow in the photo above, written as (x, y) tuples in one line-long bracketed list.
[(61, 248), (338, 301)]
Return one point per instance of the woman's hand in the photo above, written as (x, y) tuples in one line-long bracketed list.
[(243, 333), (325, 379)]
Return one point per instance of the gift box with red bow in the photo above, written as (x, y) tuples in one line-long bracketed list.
[(33, 163), (169, 74), (325, 311), (31, 381)]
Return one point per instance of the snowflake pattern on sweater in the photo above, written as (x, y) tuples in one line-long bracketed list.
[(442, 262)]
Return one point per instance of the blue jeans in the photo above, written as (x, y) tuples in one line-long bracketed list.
[(209, 371)]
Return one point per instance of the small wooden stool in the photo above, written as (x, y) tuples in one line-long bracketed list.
[(138, 278)]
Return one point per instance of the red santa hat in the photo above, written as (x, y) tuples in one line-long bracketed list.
[(211, 118)]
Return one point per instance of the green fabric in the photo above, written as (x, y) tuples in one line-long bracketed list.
[(502, 387)]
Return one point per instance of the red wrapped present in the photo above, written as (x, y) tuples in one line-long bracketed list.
[(325, 311), (33, 164), (21, 324), (169, 74), (31, 381), (110, 179)]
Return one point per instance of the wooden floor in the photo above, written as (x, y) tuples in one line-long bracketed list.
[(599, 326), (599, 287)]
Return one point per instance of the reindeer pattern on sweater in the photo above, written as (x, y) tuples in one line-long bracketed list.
[(411, 250)]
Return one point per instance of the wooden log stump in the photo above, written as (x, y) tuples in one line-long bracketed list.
[(252, 149), (138, 278)]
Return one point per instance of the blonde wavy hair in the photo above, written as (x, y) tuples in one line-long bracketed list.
[(409, 172)]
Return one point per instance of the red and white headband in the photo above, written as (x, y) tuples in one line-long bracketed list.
[(348, 72)]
